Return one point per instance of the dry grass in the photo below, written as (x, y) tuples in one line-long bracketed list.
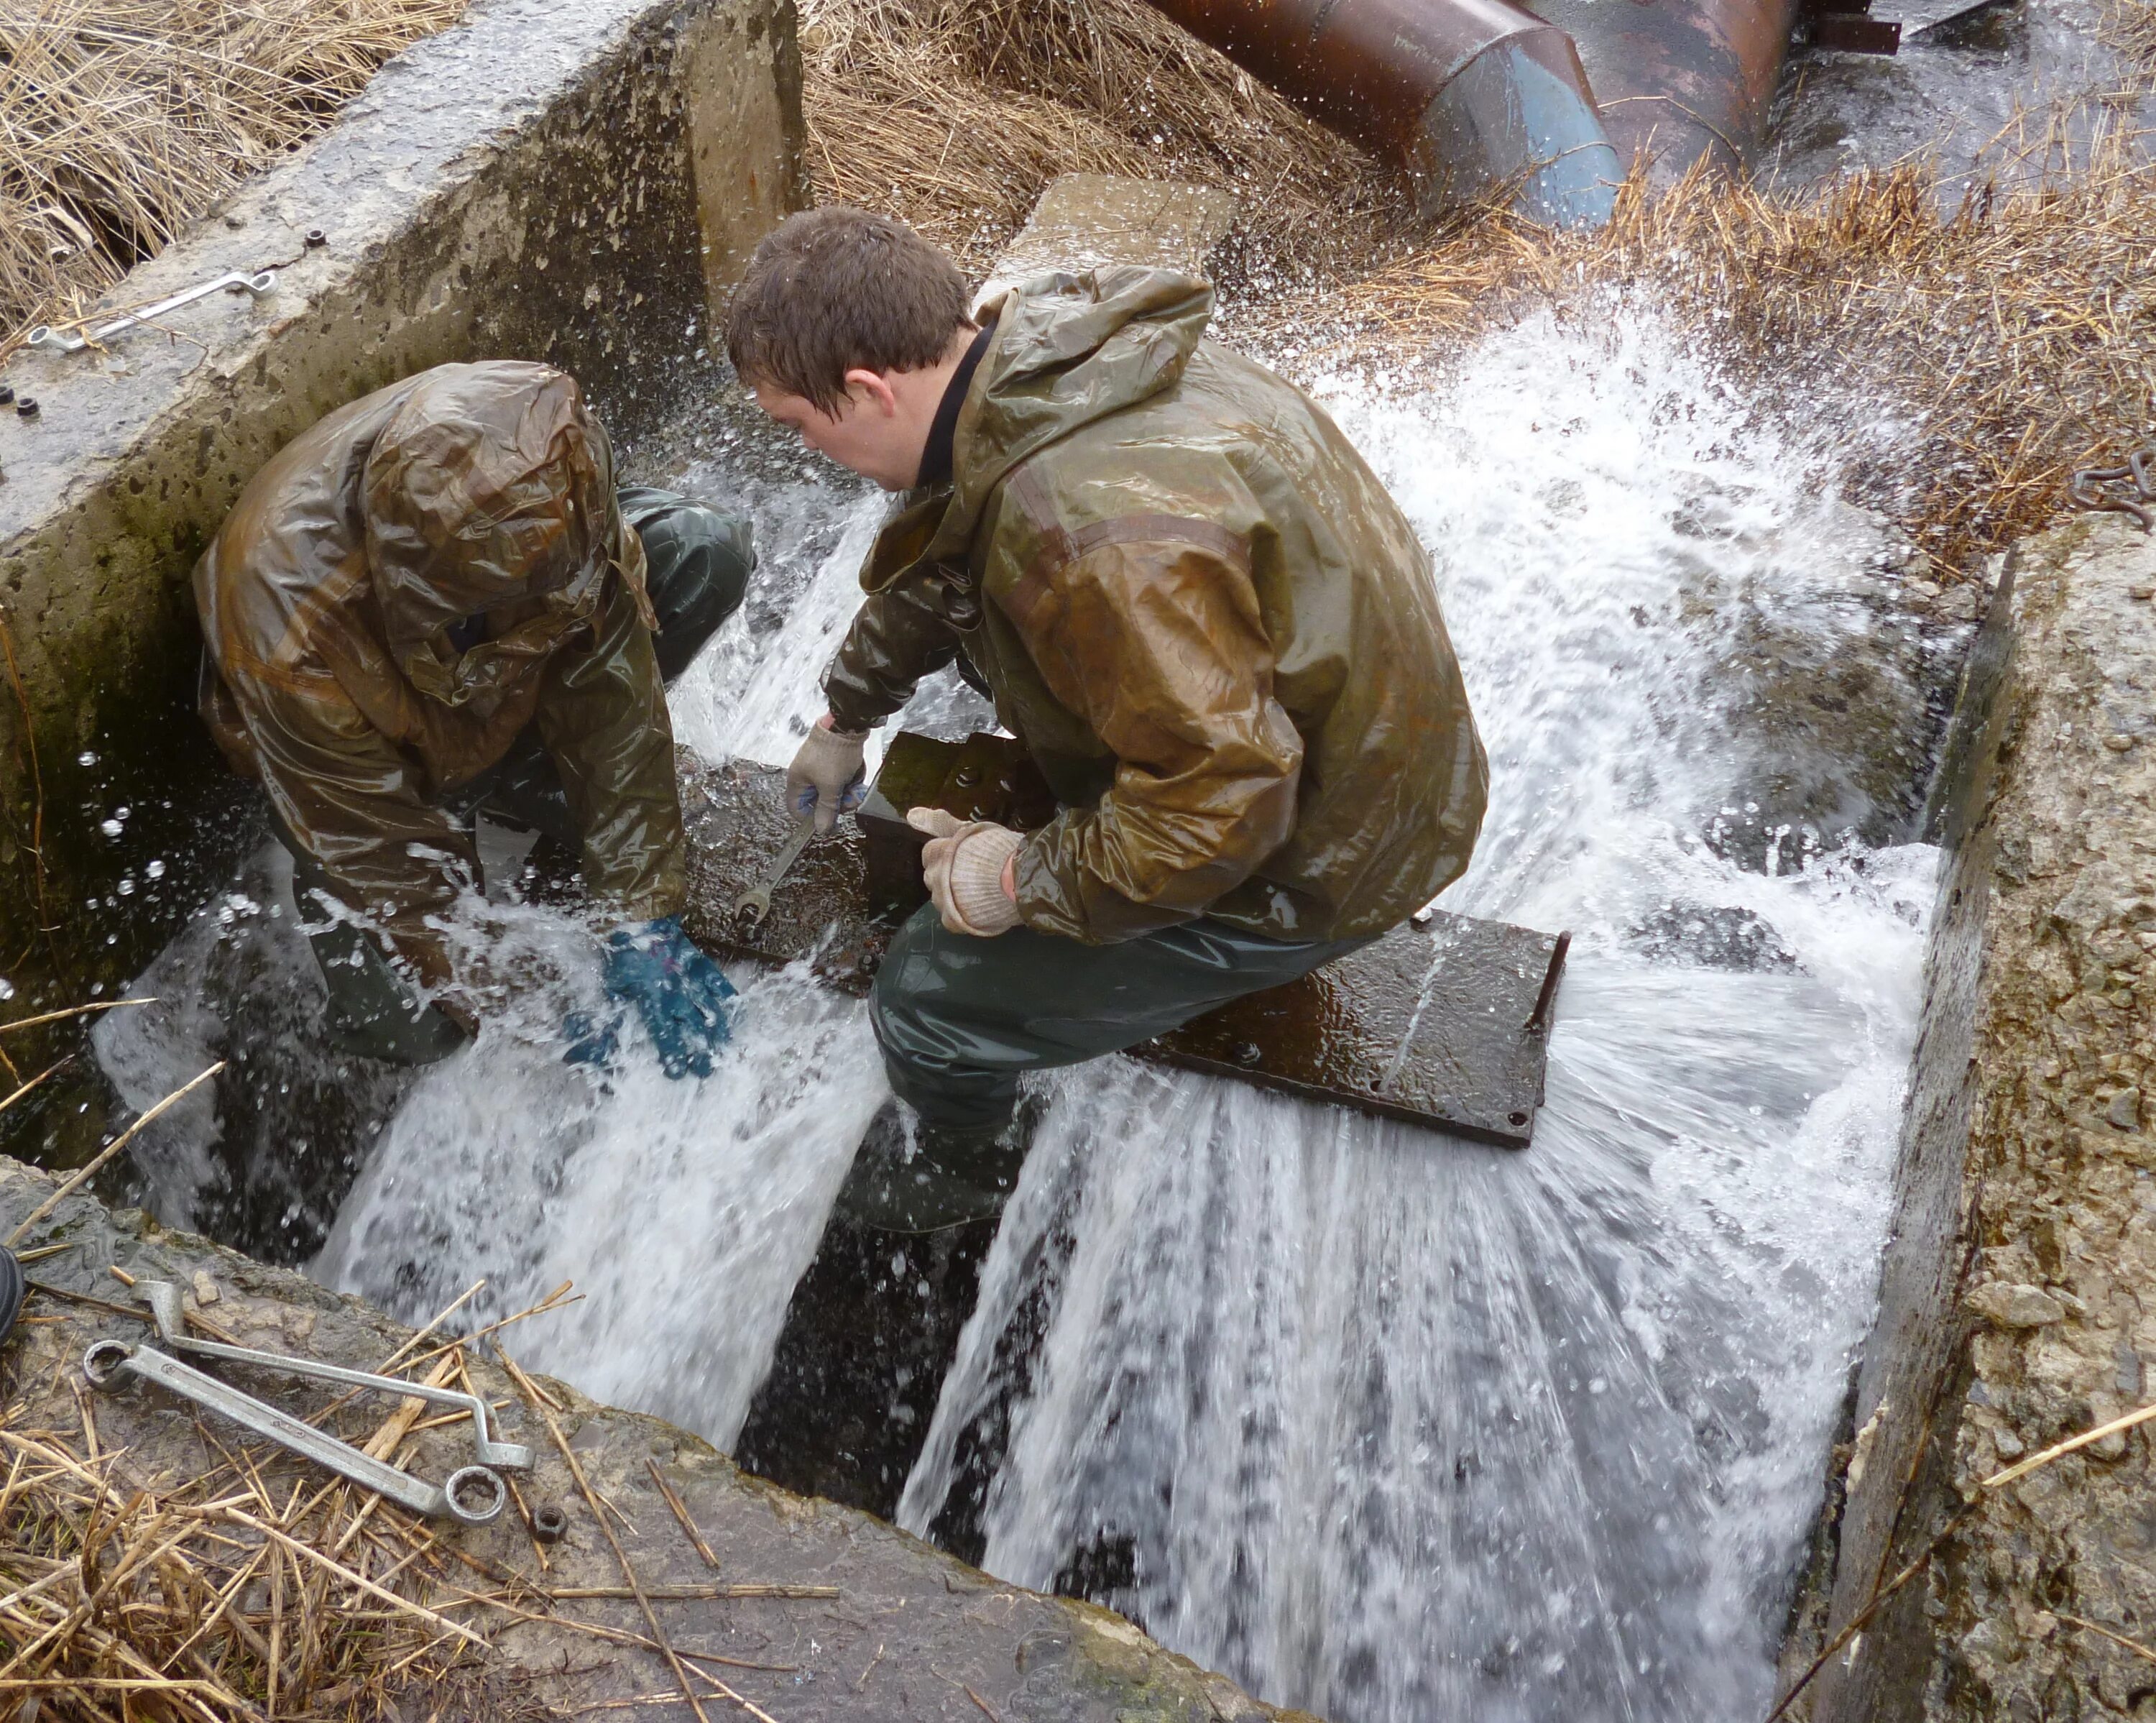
[(211, 1599), (2016, 334), (955, 113), (120, 119)]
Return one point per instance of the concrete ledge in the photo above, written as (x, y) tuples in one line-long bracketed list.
[(568, 182), (911, 1632), (2013, 1309)]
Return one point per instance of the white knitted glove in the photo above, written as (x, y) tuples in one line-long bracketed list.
[(826, 778), (964, 862)]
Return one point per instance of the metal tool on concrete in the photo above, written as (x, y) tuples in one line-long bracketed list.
[(755, 903), (166, 1309), (471, 1495), (258, 286)]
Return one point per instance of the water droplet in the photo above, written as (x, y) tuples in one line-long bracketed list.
[(155, 870), (85, 758), (111, 828)]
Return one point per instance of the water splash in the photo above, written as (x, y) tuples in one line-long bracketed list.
[(1393, 1427), (1382, 1425)]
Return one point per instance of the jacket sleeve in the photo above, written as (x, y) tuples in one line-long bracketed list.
[(603, 716), (897, 637), (351, 800), (1152, 632)]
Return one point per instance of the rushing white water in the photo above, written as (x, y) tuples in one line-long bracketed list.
[(1382, 1424), (1395, 1427)]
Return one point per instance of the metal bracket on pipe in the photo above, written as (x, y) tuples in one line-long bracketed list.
[(257, 286), (163, 1298), (472, 1495)]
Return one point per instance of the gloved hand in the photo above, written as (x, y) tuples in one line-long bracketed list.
[(827, 777), (680, 994), (964, 862)]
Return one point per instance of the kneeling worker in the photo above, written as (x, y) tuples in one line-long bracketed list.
[(436, 597), (1190, 600)]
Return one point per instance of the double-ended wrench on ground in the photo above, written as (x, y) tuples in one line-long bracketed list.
[(754, 903), (163, 1298), (472, 1495), (257, 286)]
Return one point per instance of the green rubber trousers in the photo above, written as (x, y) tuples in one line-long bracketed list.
[(960, 1019)]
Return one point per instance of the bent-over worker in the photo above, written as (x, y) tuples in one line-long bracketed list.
[(436, 597), (1191, 600)]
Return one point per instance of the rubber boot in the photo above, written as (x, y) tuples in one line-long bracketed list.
[(913, 1177)]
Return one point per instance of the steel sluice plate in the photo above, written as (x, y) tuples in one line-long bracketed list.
[(1431, 1024)]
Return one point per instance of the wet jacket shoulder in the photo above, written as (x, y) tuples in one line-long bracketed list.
[(327, 601), (1202, 614)]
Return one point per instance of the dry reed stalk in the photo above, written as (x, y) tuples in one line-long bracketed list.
[(167, 1604), (121, 120), (954, 114)]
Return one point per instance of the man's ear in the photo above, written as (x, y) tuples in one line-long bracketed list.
[(868, 387)]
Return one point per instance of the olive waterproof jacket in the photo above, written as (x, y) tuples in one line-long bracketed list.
[(327, 600), (1202, 613)]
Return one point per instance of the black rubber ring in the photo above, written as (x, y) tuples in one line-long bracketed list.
[(11, 1290)]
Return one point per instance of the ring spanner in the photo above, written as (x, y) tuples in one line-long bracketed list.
[(472, 1495), (754, 903), (163, 1298), (257, 286)]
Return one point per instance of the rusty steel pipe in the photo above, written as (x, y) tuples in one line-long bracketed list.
[(1680, 80), (1473, 97)]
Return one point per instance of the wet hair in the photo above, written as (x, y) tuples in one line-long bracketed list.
[(835, 289)]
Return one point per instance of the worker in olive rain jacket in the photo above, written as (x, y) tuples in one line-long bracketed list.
[(1189, 599), (436, 596)]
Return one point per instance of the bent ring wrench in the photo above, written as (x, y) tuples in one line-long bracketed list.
[(163, 1298), (755, 903), (473, 1496), (257, 286)]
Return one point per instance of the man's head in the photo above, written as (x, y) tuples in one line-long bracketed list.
[(846, 328)]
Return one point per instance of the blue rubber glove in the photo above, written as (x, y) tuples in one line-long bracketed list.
[(680, 994)]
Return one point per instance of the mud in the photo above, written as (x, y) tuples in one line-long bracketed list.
[(2015, 1309), (913, 1632)]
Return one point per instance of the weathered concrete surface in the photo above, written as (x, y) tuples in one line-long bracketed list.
[(1083, 220), (2018, 1300), (911, 1631), (566, 182)]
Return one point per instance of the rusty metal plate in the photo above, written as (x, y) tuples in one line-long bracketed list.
[(1428, 1024)]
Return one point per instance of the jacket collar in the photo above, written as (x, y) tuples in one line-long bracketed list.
[(1066, 351)]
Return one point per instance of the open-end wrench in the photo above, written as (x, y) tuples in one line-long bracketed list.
[(472, 1495), (755, 903), (163, 1298), (256, 285)]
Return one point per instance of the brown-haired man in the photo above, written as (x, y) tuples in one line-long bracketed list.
[(1188, 596)]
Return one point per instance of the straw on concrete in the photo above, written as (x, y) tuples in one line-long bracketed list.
[(121, 120), (208, 1598)]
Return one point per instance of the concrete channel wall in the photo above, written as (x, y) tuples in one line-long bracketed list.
[(2015, 1305), (578, 181)]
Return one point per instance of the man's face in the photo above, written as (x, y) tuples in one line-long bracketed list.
[(871, 432)]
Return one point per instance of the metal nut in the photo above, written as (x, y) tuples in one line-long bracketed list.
[(25, 406), (549, 1524)]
